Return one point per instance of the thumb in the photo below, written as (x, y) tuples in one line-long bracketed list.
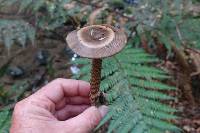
[(88, 120)]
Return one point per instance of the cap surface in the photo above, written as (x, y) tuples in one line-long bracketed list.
[(97, 41)]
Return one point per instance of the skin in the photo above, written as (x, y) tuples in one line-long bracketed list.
[(62, 106)]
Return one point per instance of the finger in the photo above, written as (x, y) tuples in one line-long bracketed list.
[(70, 111), (61, 104), (88, 120), (59, 88), (78, 100)]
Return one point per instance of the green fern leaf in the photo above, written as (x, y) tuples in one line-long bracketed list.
[(134, 93), (151, 94), (150, 84)]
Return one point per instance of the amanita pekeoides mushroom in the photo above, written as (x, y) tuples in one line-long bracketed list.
[(96, 42)]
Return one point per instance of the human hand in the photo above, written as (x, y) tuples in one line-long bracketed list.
[(62, 106)]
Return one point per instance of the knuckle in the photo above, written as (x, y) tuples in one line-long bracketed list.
[(58, 80), (18, 107), (96, 117), (21, 105)]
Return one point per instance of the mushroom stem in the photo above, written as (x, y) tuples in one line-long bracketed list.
[(95, 81)]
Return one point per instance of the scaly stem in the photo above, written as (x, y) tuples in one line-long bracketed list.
[(95, 81)]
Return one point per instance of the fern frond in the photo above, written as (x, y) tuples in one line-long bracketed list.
[(81, 62), (151, 94), (150, 84), (155, 105), (16, 31), (106, 68), (134, 93), (52, 13), (111, 81), (137, 58), (141, 71)]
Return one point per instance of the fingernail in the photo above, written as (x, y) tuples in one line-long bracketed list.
[(103, 110)]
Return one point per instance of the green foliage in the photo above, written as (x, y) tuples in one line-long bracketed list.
[(179, 25), (19, 31), (134, 93), (5, 120), (13, 94), (190, 32), (117, 4), (48, 14), (8, 97), (4, 68), (42, 14), (4, 95), (172, 18)]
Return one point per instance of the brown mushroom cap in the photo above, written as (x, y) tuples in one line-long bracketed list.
[(97, 41)]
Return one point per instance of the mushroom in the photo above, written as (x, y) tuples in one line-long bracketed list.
[(96, 42)]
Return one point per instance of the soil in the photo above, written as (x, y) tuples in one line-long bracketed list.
[(36, 72)]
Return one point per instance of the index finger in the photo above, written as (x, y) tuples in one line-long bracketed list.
[(60, 88)]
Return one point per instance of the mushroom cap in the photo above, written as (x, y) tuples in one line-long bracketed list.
[(97, 41)]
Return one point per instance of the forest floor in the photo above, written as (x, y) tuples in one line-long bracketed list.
[(54, 62)]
